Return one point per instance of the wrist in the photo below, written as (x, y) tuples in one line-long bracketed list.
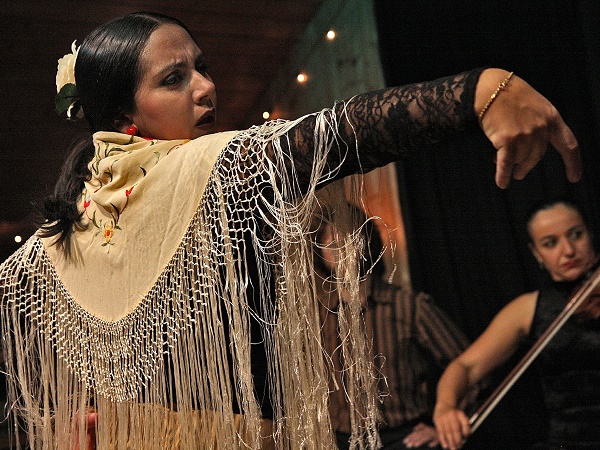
[(488, 84), (442, 408)]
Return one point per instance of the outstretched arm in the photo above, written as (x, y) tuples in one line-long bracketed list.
[(378, 127)]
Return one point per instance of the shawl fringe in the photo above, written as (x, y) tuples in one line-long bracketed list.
[(166, 375)]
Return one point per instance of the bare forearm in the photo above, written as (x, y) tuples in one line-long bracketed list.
[(451, 423), (453, 386)]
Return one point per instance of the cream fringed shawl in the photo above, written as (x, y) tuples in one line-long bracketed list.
[(148, 322)]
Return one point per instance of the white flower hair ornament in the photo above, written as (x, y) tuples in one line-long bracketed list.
[(67, 99)]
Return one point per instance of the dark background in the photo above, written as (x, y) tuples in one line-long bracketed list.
[(467, 243)]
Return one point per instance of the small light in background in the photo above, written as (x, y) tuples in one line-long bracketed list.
[(331, 35), (266, 115), (301, 78), (18, 239)]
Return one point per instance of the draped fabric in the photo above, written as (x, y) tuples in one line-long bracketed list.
[(156, 333), (132, 219)]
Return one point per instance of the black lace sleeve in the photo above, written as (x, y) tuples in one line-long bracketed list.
[(368, 131), (379, 127)]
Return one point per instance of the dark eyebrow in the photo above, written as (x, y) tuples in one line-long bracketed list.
[(576, 227), (171, 67), (179, 65)]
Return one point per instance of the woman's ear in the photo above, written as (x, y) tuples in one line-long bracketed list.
[(122, 123)]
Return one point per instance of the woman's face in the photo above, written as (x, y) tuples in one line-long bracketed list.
[(561, 242), (175, 98)]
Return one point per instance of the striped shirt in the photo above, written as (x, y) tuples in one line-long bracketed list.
[(411, 337)]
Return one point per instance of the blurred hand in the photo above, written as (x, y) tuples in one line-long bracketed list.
[(421, 434), (452, 428)]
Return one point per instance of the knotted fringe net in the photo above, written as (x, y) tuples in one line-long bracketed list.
[(167, 375)]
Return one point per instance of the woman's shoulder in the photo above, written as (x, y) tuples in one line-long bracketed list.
[(520, 310), (526, 299)]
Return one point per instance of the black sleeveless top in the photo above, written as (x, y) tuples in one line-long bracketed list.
[(569, 367)]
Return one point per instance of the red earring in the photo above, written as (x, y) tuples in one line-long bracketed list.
[(132, 130)]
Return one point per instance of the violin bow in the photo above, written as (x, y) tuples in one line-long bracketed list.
[(574, 302)]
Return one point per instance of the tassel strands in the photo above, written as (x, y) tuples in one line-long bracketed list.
[(176, 372)]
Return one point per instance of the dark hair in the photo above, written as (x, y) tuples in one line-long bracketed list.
[(107, 73), (107, 67), (551, 203)]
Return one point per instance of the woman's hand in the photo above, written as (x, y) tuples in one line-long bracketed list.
[(420, 435), (452, 426), (521, 123)]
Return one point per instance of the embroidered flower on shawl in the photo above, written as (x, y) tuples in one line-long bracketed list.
[(109, 231), (67, 98), (120, 162), (106, 228), (87, 200)]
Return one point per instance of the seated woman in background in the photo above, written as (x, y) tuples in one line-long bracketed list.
[(561, 241)]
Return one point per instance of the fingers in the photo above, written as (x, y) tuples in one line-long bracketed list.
[(422, 434), (90, 423), (521, 124), (91, 430), (565, 142), (504, 167), (452, 429), (522, 168), (508, 167), (434, 443), (515, 163)]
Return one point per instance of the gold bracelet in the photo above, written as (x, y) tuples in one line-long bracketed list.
[(493, 97)]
